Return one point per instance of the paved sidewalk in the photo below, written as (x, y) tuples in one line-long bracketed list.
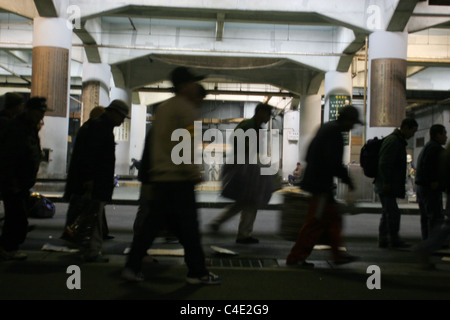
[(258, 272)]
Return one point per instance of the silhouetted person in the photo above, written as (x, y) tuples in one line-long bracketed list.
[(20, 157), (440, 234), (429, 188), (173, 205), (13, 105), (390, 182), (91, 172), (323, 164), (296, 174), (244, 178)]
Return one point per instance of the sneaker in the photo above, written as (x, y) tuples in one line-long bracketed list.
[(18, 255), (12, 255), (210, 278), (132, 276), (302, 264), (343, 259), (248, 240)]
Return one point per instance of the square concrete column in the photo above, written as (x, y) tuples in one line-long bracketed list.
[(122, 133), (52, 43), (96, 87), (310, 120)]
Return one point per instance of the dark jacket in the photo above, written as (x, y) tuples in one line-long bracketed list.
[(93, 159), (444, 168), (392, 165), (145, 164), (20, 154), (428, 164), (324, 160)]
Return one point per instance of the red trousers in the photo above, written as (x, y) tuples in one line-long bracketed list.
[(323, 220)]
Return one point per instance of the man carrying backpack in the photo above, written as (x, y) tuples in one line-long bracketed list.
[(390, 182)]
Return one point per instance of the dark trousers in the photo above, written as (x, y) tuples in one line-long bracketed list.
[(323, 219), (173, 207), (439, 235), (15, 226), (389, 227), (431, 209)]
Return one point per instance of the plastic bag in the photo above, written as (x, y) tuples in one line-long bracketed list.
[(82, 218), (244, 183), (41, 207)]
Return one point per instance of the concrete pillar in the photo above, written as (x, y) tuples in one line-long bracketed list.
[(52, 42), (122, 133), (338, 93), (96, 86), (138, 130), (310, 120), (291, 124), (387, 82)]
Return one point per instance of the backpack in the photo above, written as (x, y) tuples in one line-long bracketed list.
[(368, 158), (40, 206)]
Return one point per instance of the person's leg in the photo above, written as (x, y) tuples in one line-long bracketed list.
[(333, 220), (105, 228), (144, 207), (152, 223), (95, 244), (183, 218), (74, 208), (229, 212), (15, 225), (246, 222), (424, 227), (383, 228), (394, 221), (311, 230), (435, 210)]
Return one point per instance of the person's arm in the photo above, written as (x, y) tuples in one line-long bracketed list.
[(334, 160), (386, 162)]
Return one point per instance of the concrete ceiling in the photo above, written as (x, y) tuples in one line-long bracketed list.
[(286, 44)]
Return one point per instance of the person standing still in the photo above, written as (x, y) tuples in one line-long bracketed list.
[(429, 188), (390, 183)]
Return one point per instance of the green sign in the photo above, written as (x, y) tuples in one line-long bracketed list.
[(336, 102)]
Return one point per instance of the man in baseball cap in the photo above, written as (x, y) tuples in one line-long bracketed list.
[(182, 75), (120, 107)]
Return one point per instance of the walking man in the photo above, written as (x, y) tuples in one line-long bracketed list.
[(245, 183), (323, 163), (173, 203)]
